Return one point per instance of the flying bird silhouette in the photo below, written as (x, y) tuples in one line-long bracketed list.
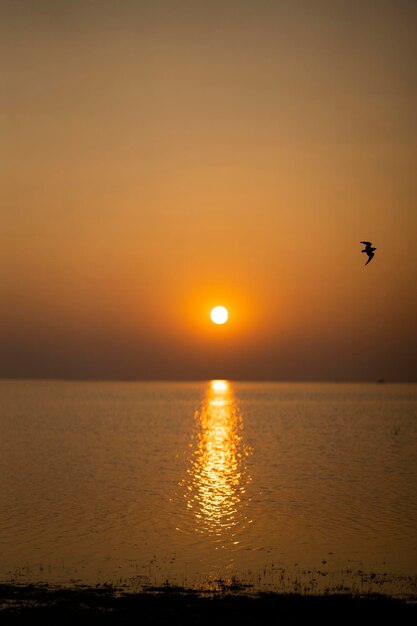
[(369, 250)]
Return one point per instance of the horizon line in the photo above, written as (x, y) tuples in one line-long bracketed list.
[(200, 380)]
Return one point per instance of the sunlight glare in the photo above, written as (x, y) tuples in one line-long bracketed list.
[(218, 475), (219, 385)]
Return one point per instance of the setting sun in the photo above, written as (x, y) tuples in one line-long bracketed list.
[(219, 315)]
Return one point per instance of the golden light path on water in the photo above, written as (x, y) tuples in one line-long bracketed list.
[(217, 474)]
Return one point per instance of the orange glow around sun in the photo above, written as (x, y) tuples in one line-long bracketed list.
[(197, 322)]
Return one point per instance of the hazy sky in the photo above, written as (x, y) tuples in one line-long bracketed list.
[(161, 157)]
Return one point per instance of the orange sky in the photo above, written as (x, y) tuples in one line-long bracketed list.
[(162, 157)]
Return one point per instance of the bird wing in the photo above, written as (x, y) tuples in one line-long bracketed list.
[(367, 243), (371, 256)]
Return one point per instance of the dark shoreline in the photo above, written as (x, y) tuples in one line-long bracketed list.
[(26, 604)]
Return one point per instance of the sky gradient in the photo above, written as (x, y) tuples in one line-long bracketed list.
[(159, 158)]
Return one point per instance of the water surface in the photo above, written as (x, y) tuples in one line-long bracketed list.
[(290, 487)]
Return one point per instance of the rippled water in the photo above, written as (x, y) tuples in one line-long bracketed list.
[(282, 486)]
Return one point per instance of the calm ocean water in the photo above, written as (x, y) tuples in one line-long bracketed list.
[(295, 487)]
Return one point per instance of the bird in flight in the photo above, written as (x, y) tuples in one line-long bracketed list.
[(369, 250)]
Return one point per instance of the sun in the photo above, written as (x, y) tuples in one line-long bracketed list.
[(219, 315)]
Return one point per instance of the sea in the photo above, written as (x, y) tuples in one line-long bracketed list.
[(285, 487)]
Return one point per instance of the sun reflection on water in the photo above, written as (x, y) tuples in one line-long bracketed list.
[(218, 473)]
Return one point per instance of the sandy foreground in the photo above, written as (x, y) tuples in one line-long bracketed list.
[(27, 604)]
